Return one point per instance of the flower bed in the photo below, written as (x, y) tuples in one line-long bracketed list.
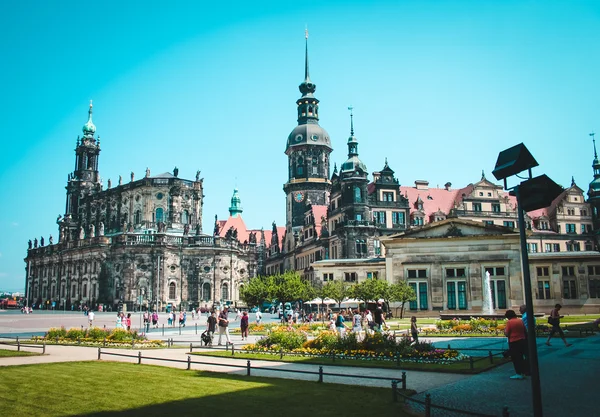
[(475, 325), (96, 336), (372, 347)]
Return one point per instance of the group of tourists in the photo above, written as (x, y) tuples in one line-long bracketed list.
[(123, 322), (516, 332), (366, 321)]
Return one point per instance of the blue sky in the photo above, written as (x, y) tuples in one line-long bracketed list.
[(438, 87)]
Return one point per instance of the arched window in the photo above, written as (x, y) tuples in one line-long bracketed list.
[(172, 291), (185, 217), (160, 215), (310, 109), (206, 291), (225, 292), (300, 166), (137, 217), (357, 195)]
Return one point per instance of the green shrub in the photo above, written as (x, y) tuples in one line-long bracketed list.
[(96, 333), (54, 332), (120, 335), (284, 339), (74, 333)]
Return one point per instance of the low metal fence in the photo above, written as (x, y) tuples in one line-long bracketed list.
[(20, 345)]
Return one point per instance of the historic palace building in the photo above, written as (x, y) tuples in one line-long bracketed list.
[(442, 241), (139, 243)]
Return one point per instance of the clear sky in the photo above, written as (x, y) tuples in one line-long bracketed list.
[(438, 87)]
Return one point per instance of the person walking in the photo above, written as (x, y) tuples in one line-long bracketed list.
[(517, 344), (414, 331), (155, 320), (340, 325), (554, 320), (128, 321), (379, 319), (211, 326), (244, 325), (370, 323), (258, 316), (224, 326), (357, 323), (91, 318), (524, 318), (119, 322)]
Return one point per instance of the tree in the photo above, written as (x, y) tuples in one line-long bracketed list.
[(401, 292), (369, 290), (337, 290), (289, 287), (257, 291)]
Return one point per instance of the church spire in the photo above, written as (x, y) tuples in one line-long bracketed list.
[(352, 142), (89, 128), (306, 72), (595, 162), (307, 88), (236, 204)]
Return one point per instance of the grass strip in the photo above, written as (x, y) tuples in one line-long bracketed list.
[(105, 389), (8, 353)]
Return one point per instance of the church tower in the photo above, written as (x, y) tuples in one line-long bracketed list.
[(235, 210), (85, 179), (308, 149), (594, 190)]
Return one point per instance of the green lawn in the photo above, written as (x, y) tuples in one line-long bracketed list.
[(121, 389), (461, 367), (7, 353)]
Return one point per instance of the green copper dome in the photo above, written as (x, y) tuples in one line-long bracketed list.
[(89, 128)]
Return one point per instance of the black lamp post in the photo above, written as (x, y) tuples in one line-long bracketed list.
[(531, 194)]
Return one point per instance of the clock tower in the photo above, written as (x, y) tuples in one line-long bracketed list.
[(308, 148)]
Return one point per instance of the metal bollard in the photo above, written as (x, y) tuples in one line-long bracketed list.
[(189, 363), (449, 346), (505, 412), (57, 340), (320, 374), (44, 348), (471, 363), (248, 368), (139, 357), (232, 350), (132, 342), (196, 326), (18, 345), (104, 340), (78, 340), (395, 390), (99, 353), (163, 329), (491, 357), (280, 353), (427, 405), (179, 330), (191, 348), (403, 380)]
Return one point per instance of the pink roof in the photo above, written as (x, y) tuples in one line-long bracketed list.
[(434, 199), (244, 233), (318, 213)]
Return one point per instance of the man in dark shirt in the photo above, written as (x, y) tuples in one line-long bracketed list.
[(224, 325), (211, 326), (378, 318)]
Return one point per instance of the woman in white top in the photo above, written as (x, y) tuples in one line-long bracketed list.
[(356, 323)]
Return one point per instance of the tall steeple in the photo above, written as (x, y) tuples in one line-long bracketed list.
[(594, 190), (353, 161), (236, 204)]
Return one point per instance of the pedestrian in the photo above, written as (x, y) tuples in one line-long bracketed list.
[(224, 325), (357, 323), (91, 318), (524, 318), (180, 318), (258, 316), (211, 326), (128, 322), (414, 331), (155, 320), (244, 325), (517, 344), (554, 320), (146, 321), (184, 318), (379, 319), (370, 323), (340, 325), (193, 313), (169, 319), (119, 323), (238, 315)]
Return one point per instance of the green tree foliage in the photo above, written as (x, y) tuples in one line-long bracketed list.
[(289, 287), (369, 290), (400, 292), (337, 290), (257, 290)]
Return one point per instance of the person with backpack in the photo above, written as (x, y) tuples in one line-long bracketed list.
[(554, 321), (211, 326)]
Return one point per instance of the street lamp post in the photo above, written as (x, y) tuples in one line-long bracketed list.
[(531, 194)]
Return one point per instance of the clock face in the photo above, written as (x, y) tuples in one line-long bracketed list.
[(299, 196)]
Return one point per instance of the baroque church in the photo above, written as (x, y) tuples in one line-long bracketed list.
[(141, 243)]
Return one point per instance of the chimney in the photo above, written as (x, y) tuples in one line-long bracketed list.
[(421, 185), (447, 186)]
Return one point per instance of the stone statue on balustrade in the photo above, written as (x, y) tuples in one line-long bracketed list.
[(101, 229), (92, 230), (35, 243), (42, 241), (51, 240), (81, 233), (186, 229), (30, 244)]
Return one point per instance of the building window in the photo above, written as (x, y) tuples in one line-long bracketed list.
[(583, 212), (594, 288), (496, 207), (509, 223), (300, 166), (185, 217), (357, 194), (224, 292), (417, 273), (328, 277), (398, 218), (543, 271), (361, 247), (172, 290), (160, 215), (573, 246), (418, 221), (543, 290), (377, 247), (568, 271), (420, 289), (74, 290), (477, 207), (206, 291), (358, 217), (455, 273), (350, 276), (570, 228), (532, 247), (388, 197), (137, 217), (556, 247), (379, 217), (457, 295), (373, 275), (569, 289), (84, 293), (498, 293), (548, 247), (488, 222)]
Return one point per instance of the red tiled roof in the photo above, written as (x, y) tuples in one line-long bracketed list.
[(318, 213), (434, 199), (244, 233)]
